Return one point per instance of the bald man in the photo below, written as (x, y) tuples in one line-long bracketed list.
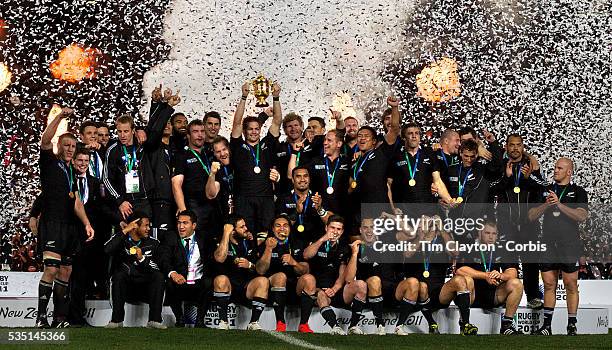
[(564, 206)]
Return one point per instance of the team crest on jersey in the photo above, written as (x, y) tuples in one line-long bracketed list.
[(319, 167), (191, 161), (322, 254)]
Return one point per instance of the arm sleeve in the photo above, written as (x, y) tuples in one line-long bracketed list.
[(160, 114)]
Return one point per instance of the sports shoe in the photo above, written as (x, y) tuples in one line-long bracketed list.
[(544, 330), (355, 331), (179, 324), (380, 330), (572, 329), (281, 326), (254, 326), (433, 329), (469, 329), (510, 330), (156, 325), (223, 325), (42, 323), (535, 304), (337, 331), (60, 324), (113, 325), (304, 328), (400, 330)]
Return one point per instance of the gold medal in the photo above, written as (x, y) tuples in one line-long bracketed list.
[(71, 194), (459, 200), (412, 182), (133, 251), (354, 184), (426, 274), (517, 189), (300, 228)]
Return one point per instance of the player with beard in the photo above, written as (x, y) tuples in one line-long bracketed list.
[(303, 207), (349, 148), (58, 226), (495, 280), (413, 172), (430, 267), (329, 175), (333, 265), (220, 183), (280, 261), (191, 172), (103, 137), (519, 187), (178, 139), (368, 182), (253, 160), (236, 276), (564, 206), (383, 280)]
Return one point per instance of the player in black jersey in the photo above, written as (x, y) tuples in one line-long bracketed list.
[(333, 265), (280, 260), (384, 280), (430, 265), (495, 280), (564, 206), (220, 183), (236, 276)]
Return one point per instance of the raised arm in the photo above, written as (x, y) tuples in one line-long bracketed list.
[(237, 123), (47, 136), (394, 128), (277, 113)]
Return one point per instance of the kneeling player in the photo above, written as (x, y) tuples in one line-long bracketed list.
[(333, 267), (277, 261), (236, 273), (495, 283)]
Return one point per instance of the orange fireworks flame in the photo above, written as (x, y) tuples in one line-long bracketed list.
[(439, 81), (3, 28), (5, 76), (75, 63)]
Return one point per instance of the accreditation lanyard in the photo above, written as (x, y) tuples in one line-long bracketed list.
[(562, 193), (330, 177), (134, 243), (462, 183), (67, 169), (204, 165), (254, 153), (129, 162), (427, 255), (412, 171), (360, 162), (484, 263), (306, 202), (299, 154)]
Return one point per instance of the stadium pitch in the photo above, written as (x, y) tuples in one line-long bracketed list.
[(141, 338)]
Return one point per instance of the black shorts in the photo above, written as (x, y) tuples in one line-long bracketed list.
[(434, 287), (567, 268), (484, 297), (59, 237), (239, 289)]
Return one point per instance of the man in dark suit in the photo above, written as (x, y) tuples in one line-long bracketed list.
[(186, 263)]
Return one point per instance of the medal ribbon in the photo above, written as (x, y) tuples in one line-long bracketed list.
[(462, 185), (330, 177), (361, 161), (68, 176), (427, 255), (487, 269), (412, 171), (562, 193), (205, 166), (306, 202), (255, 157), (517, 176), (299, 154)]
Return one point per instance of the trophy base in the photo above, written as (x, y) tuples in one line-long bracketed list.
[(262, 105)]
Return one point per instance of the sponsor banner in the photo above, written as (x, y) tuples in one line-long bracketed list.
[(19, 284), (22, 313)]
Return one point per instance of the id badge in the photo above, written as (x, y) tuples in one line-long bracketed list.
[(191, 272), (132, 184)]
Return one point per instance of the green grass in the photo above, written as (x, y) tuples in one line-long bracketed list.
[(141, 338)]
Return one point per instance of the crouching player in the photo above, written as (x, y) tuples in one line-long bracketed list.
[(236, 276), (279, 262), (495, 282), (333, 266)]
